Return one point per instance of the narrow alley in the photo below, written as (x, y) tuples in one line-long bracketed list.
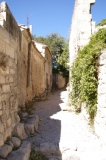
[(65, 135)]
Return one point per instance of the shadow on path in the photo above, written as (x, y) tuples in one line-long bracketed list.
[(50, 129)]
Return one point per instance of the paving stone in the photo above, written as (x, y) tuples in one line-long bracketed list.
[(19, 131), (31, 125), (23, 153), (5, 150), (49, 148), (16, 142)]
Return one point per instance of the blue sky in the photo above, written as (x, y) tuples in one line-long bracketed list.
[(51, 16)]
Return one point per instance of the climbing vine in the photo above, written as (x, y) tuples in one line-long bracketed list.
[(84, 73)]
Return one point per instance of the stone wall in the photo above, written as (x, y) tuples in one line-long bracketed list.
[(37, 81), (22, 71), (61, 81), (8, 84), (81, 27), (45, 52), (100, 119)]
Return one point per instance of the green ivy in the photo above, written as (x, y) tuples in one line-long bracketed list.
[(84, 73)]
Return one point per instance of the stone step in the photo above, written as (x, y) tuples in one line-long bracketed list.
[(23, 153)]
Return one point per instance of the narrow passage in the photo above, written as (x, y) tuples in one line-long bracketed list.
[(65, 135)]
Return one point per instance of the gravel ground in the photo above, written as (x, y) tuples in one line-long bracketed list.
[(68, 131)]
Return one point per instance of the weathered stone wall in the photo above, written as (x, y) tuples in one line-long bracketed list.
[(100, 119), (22, 71), (37, 83), (61, 81), (81, 27), (48, 69), (45, 52), (8, 84)]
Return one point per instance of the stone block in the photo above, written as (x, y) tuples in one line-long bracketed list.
[(12, 71), (23, 153), (1, 140), (1, 128), (16, 142), (11, 79), (2, 46), (9, 122), (7, 79), (6, 88), (3, 97), (5, 150), (2, 79), (0, 106), (29, 129), (1, 112), (7, 133), (10, 50), (19, 131), (0, 88)]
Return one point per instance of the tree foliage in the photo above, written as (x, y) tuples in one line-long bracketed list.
[(59, 49), (102, 23), (84, 71)]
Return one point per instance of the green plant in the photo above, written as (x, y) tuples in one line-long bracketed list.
[(102, 23), (84, 74), (37, 155), (29, 106)]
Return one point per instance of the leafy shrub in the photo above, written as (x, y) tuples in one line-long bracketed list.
[(37, 156), (84, 73)]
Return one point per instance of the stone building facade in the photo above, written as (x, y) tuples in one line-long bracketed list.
[(82, 27), (22, 70)]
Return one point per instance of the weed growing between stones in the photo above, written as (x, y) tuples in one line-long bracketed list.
[(37, 155), (29, 106), (84, 74)]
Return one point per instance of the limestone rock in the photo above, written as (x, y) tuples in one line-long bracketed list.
[(9, 143), (29, 129), (19, 131), (36, 123), (24, 114), (49, 148), (1, 140), (5, 150), (16, 142), (23, 153), (32, 125)]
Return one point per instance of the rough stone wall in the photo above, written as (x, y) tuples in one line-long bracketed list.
[(81, 27), (9, 50), (48, 69), (22, 71), (45, 52), (37, 85), (61, 81), (23, 67), (100, 119)]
